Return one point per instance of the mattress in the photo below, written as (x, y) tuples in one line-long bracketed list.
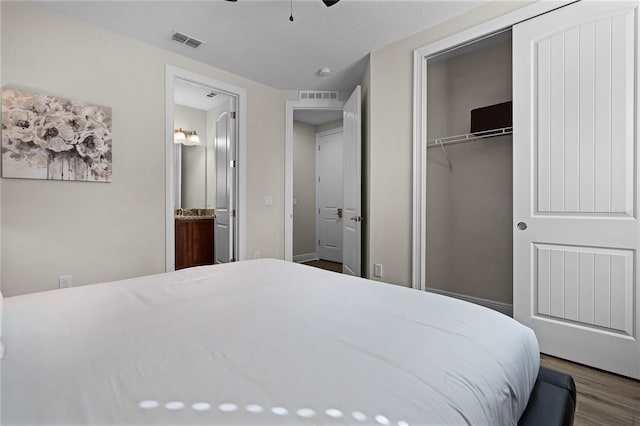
[(261, 342)]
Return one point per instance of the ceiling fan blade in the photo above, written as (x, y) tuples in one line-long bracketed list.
[(330, 3)]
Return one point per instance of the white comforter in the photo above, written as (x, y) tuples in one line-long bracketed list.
[(260, 342)]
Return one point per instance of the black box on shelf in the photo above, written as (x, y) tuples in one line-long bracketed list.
[(492, 117)]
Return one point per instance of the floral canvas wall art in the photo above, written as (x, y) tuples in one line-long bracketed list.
[(45, 137)]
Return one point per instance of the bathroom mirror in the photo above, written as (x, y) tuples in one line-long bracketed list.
[(196, 109)]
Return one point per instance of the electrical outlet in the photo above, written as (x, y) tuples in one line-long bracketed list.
[(65, 281), (377, 270)]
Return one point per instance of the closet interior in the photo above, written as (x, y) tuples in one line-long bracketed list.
[(469, 171)]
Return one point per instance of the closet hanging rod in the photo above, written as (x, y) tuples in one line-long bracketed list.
[(468, 137)]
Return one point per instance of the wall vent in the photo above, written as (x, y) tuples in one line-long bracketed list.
[(186, 39), (321, 95), (211, 94)]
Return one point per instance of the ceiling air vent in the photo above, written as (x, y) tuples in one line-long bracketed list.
[(211, 94), (318, 95), (186, 39)]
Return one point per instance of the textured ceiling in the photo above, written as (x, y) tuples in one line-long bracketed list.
[(195, 96), (255, 39)]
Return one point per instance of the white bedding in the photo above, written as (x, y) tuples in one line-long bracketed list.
[(260, 342)]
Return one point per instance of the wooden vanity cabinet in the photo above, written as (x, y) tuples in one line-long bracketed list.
[(194, 242)]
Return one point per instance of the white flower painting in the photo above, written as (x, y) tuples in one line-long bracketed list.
[(52, 138)]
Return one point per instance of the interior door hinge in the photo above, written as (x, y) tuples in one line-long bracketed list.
[(233, 213), (318, 242), (233, 163), (318, 211), (233, 115), (318, 178)]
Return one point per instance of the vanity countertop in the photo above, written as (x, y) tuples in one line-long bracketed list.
[(194, 217), (194, 214)]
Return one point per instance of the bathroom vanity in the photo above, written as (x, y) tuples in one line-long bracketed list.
[(194, 237)]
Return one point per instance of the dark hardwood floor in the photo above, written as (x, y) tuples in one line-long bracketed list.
[(603, 398), (325, 264)]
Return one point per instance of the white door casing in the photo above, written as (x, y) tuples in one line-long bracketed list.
[(224, 229), (234, 172), (329, 192), (290, 107), (352, 223), (576, 224), (239, 95), (420, 95)]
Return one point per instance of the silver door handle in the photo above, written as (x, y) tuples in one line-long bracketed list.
[(521, 226)]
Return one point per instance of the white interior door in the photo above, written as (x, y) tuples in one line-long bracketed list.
[(352, 223), (329, 188), (224, 229), (576, 235)]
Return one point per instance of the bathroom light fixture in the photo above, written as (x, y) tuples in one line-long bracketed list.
[(179, 136), (186, 137), (194, 138)]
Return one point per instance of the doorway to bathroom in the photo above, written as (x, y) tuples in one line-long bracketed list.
[(204, 170)]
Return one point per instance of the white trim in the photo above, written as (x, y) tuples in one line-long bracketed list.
[(307, 257), (177, 167), (419, 234), (420, 55), (171, 73), (501, 307), (290, 106)]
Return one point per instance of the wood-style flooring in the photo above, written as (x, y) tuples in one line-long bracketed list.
[(325, 264), (603, 398)]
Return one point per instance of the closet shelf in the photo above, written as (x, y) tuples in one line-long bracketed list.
[(468, 137)]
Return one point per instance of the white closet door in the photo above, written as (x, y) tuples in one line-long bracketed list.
[(575, 188)]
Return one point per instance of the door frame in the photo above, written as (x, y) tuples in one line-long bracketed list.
[(171, 73), (290, 107), (317, 197), (420, 57)]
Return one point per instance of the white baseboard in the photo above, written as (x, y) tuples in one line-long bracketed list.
[(299, 258), (504, 308)]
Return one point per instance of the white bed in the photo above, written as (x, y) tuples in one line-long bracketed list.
[(260, 342)]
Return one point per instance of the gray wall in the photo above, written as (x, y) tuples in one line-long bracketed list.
[(469, 207), (439, 193), (106, 231), (304, 188), (329, 126), (194, 158)]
